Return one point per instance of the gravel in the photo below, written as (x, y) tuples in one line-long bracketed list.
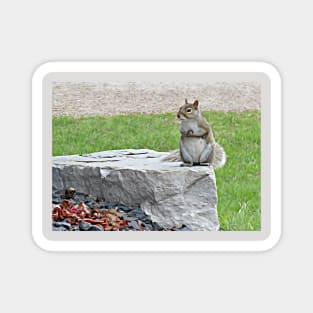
[(98, 98), (134, 215)]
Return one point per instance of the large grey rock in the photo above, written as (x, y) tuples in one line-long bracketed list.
[(170, 194)]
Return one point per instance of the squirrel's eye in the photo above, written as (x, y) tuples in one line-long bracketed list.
[(188, 110)]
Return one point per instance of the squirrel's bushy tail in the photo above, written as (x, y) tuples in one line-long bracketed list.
[(219, 156)]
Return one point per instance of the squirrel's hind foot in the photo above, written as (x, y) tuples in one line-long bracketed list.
[(186, 164)]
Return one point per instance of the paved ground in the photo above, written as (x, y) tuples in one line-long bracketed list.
[(98, 98)]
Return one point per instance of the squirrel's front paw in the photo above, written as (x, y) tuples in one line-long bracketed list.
[(189, 132)]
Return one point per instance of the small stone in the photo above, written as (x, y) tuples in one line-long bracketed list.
[(60, 228), (134, 225), (156, 226), (139, 213), (146, 220), (112, 205), (125, 208), (69, 193), (84, 226), (95, 228), (131, 218), (184, 228), (62, 224), (89, 203), (147, 226)]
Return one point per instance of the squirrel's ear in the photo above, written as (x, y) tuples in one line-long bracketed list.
[(186, 101), (196, 104)]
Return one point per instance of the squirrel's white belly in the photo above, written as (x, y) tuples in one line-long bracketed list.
[(195, 146)]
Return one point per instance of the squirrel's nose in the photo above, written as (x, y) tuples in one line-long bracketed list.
[(178, 116)]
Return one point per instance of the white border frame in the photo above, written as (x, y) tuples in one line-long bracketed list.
[(37, 154)]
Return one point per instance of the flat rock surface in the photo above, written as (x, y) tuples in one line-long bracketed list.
[(171, 195)]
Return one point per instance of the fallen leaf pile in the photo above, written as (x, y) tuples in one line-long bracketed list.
[(74, 214)]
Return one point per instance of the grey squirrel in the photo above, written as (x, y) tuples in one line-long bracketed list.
[(197, 143)]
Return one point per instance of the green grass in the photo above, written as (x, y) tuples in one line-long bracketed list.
[(238, 182)]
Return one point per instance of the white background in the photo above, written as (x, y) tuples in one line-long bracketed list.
[(33, 32)]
